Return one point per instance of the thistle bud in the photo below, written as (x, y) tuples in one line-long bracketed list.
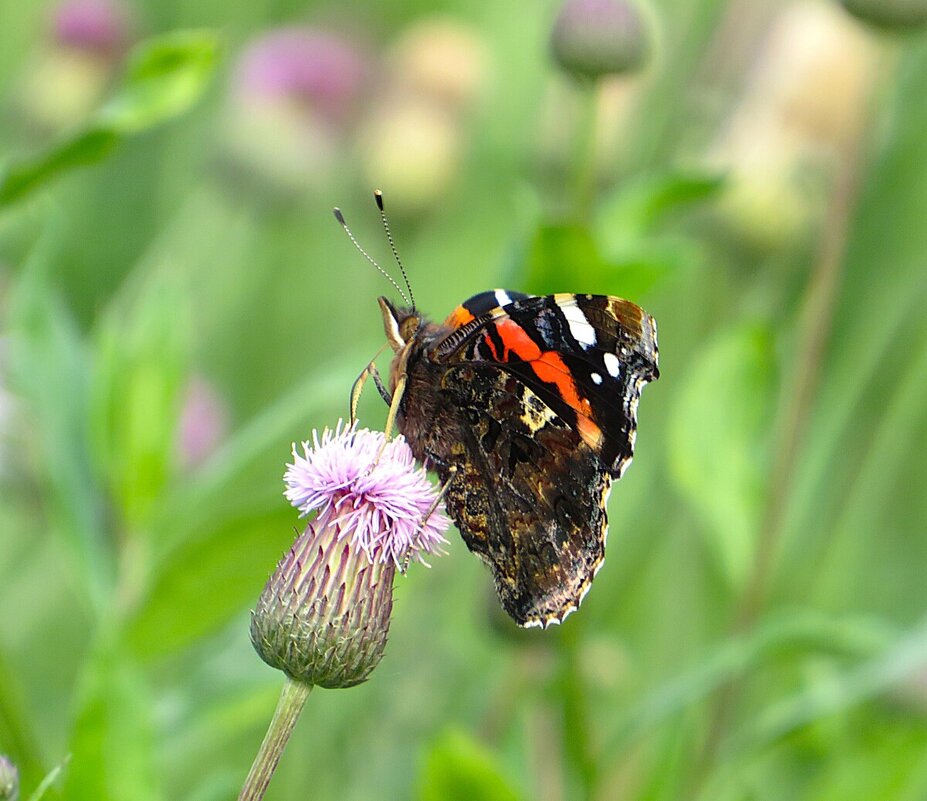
[(294, 95), (324, 615), (890, 14), (83, 50), (9, 780), (98, 27), (594, 38)]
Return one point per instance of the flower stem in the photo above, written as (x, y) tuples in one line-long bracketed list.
[(587, 140), (292, 700)]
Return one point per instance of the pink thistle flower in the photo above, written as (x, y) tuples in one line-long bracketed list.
[(382, 508), (324, 615)]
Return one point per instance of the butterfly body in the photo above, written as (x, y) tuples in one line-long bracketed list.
[(526, 407)]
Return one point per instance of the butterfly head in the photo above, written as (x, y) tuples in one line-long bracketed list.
[(400, 324)]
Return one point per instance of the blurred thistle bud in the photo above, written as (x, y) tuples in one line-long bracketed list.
[(595, 38), (315, 70), (414, 147), (324, 615), (889, 14), (805, 100), (441, 60), (9, 780), (414, 138), (86, 43), (294, 95), (204, 422), (97, 27)]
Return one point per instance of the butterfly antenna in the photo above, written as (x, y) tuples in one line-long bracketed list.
[(392, 245), (340, 217)]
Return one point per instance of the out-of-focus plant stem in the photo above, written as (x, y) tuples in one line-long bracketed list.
[(289, 707), (795, 407), (586, 155)]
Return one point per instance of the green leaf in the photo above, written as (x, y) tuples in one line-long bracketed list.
[(112, 747), (459, 768), (561, 254), (718, 441), (565, 256), (838, 691), (793, 634), (141, 364), (50, 778), (639, 206), (87, 147), (48, 368), (218, 577), (166, 76)]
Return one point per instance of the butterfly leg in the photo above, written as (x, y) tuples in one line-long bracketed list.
[(394, 406), (358, 387), (439, 499), (391, 416)]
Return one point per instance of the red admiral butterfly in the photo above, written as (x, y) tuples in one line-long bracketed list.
[(526, 407)]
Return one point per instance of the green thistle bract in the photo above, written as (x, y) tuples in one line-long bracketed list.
[(324, 615)]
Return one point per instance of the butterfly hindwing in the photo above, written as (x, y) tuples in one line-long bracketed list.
[(527, 495), (527, 408)]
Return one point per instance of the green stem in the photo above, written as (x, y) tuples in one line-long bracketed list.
[(587, 140), (289, 707)]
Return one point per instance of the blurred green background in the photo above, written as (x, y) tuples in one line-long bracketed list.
[(177, 306)]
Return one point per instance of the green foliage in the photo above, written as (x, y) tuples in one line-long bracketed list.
[(458, 768), (141, 365), (751, 636), (112, 747), (165, 76), (719, 434)]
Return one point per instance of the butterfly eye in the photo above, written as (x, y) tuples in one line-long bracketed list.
[(410, 327)]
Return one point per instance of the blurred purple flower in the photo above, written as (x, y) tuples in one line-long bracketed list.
[(203, 422), (318, 70), (100, 27), (323, 617), (9, 780), (293, 95)]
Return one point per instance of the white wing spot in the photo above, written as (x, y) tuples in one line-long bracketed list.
[(596, 378), (612, 364), (582, 332), (502, 297)]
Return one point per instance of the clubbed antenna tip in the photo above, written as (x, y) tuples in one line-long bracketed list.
[(378, 196), (340, 217)]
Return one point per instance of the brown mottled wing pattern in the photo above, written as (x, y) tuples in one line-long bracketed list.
[(527, 495)]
